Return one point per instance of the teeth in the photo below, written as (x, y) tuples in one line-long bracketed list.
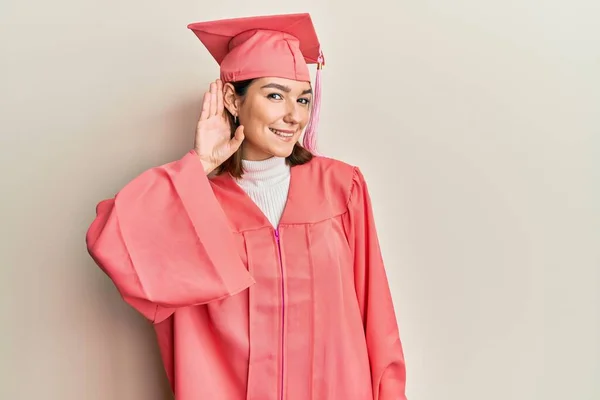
[(281, 133)]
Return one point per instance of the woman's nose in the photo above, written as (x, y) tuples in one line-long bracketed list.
[(293, 114)]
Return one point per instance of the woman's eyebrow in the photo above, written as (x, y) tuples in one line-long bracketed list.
[(277, 86), (283, 88)]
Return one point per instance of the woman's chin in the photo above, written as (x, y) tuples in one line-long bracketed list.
[(282, 151)]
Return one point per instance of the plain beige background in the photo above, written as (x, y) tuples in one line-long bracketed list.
[(476, 124)]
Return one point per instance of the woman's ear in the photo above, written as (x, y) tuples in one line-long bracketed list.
[(230, 99)]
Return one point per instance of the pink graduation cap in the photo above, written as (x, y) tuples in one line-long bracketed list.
[(277, 45)]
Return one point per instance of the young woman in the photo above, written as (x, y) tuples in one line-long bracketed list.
[(257, 261)]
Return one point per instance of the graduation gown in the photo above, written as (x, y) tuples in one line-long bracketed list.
[(246, 311)]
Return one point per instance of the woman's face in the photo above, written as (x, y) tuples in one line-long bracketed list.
[(274, 112)]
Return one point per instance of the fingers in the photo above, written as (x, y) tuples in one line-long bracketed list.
[(205, 106), (213, 99), (220, 105), (212, 103)]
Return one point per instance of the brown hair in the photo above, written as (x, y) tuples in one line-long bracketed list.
[(233, 164)]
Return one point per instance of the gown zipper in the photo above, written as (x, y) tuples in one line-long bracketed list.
[(282, 308)]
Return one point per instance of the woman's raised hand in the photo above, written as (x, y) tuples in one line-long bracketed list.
[(213, 142)]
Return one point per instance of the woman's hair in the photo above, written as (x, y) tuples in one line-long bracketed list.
[(233, 164)]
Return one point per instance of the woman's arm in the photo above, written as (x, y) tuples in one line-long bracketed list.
[(383, 341), (165, 242)]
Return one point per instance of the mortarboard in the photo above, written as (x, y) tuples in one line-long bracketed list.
[(276, 45)]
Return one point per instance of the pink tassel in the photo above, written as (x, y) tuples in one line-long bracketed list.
[(310, 133)]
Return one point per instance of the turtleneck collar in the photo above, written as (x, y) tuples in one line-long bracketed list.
[(265, 173)]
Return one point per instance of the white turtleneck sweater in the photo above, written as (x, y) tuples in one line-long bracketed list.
[(267, 183)]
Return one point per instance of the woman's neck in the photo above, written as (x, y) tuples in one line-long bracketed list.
[(263, 173)]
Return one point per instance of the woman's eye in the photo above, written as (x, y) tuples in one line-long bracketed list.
[(275, 96), (304, 101)]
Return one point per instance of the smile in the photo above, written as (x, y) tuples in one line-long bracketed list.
[(282, 134)]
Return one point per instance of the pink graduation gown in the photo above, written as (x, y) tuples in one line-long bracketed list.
[(246, 311)]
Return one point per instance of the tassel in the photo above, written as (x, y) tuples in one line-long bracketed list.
[(310, 133)]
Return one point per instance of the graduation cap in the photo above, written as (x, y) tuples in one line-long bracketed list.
[(276, 45)]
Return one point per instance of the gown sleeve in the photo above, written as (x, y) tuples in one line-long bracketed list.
[(386, 356), (165, 242)]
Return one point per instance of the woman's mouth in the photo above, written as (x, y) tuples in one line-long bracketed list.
[(283, 134)]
